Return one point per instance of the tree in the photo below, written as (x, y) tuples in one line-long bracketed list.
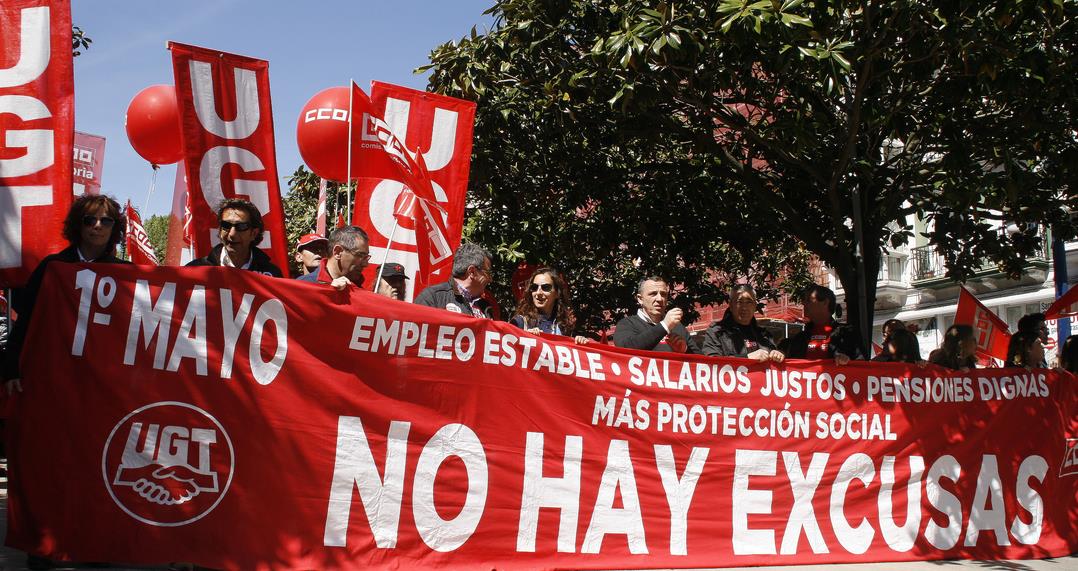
[(79, 41), (771, 122), (157, 232)]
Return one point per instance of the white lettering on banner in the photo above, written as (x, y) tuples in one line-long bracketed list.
[(943, 538), (249, 116), (37, 142), (152, 321), (856, 539), (35, 49), (1030, 500), (746, 502), (982, 517), (605, 518), (106, 292), (209, 175), (12, 200), (440, 534), (679, 491), (900, 538), (541, 491), (803, 484)]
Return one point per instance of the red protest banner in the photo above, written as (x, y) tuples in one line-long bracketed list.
[(441, 127), (89, 159), (203, 412), (139, 248), (993, 335), (37, 119), (229, 152), (1065, 306)]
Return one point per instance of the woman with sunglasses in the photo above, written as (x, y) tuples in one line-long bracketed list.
[(93, 227), (545, 306)]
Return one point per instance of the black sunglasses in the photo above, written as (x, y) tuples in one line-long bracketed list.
[(91, 221), (239, 226), (545, 287)]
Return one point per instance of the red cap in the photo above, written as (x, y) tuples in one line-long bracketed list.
[(308, 239)]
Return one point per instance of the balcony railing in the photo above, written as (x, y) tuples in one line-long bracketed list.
[(928, 264)]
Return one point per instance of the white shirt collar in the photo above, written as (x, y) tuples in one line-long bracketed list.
[(227, 261)]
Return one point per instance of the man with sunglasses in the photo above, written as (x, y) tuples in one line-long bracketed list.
[(240, 228), (463, 293), (349, 253)]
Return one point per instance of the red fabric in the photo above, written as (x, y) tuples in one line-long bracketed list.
[(89, 160), (296, 425), (37, 125), (228, 143), (177, 252), (819, 342), (993, 335), (1065, 306), (138, 242), (441, 127)]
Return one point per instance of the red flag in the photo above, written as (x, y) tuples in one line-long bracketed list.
[(89, 158), (139, 248), (993, 335), (227, 124), (340, 220), (1065, 306), (36, 131), (177, 253), (320, 223)]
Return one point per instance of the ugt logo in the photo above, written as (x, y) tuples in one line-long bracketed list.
[(1070, 459), (167, 463)]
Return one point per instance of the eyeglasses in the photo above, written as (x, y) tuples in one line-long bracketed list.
[(545, 287), (239, 226), (91, 221), (360, 255)]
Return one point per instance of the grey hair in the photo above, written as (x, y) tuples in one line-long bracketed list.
[(738, 289), (640, 284), (347, 237), (467, 255)]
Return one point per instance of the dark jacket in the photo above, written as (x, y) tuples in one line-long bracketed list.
[(844, 339), (260, 262), (632, 332), (448, 296), (25, 298), (728, 338)]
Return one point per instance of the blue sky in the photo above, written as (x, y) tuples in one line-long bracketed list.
[(310, 46)]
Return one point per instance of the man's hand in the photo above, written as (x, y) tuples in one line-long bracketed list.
[(673, 317), (760, 355), (776, 356), (581, 340), (13, 386), (341, 283), (841, 359), (676, 342)]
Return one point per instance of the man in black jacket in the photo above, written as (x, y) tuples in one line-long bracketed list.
[(240, 229), (738, 334), (653, 327), (463, 293)]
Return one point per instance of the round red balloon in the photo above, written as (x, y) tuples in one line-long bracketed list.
[(153, 125), (322, 134)]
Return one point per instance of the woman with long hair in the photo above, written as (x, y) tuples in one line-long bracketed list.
[(94, 225), (545, 306), (1025, 350), (959, 349), (900, 347)]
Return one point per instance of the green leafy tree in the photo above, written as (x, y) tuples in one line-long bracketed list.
[(301, 207), (79, 41), (697, 137), (157, 232)]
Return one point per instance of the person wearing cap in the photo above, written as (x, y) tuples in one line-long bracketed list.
[(738, 334), (392, 283), (463, 293), (310, 250), (349, 253), (240, 228)]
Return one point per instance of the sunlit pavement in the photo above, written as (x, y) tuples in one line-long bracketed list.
[(11, 559)]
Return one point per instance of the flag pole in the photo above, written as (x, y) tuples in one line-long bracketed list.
[(382, 266), (348, 203), (153, 184)]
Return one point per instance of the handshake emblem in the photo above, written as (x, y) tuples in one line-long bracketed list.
[(161, 470), (166, 485)]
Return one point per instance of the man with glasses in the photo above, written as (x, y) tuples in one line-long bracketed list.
[(463, 293), (240, 228), (348, 255)]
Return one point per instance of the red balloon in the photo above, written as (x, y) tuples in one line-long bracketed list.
[(322, 134), (153, 125)]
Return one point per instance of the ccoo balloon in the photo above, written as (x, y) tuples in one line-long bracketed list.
[(153, 125), (322, 134)]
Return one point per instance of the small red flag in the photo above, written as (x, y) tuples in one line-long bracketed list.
[(138, 242), (993, 335)]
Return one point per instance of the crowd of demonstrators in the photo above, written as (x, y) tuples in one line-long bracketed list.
[(653, 327), (824, 337), (240, 228), (463, 292), (738, 334), (546, 307), (959, 349), (347, 255), (94, 225), (310, 249)]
